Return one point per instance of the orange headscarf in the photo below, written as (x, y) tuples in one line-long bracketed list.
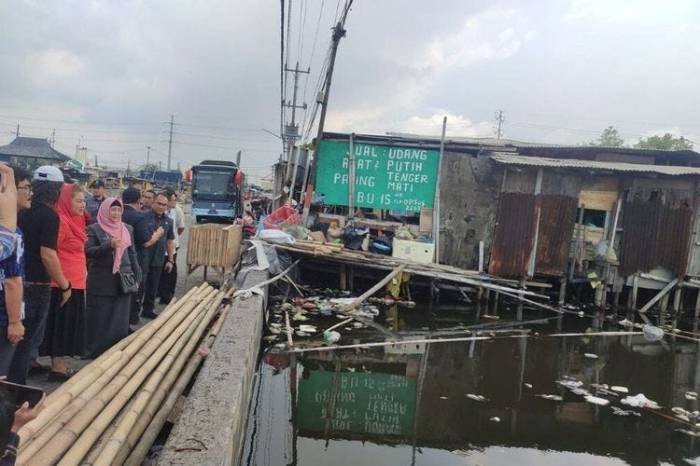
[(64, 209)]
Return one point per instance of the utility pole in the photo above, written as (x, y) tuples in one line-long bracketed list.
[(170, 140), (238, 159), (500, 119), (96, 166), (291, 133), (53, 137), (338, 33), (148, 156), (17, 133)]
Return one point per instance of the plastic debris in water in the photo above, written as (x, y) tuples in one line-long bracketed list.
[(691, 395), (528, 385), (596, 400), (443, 398), (624, 412), (308, 328), (652, 333), (331, 337), (591, 355), (581, 314), (639, 401), (490, 316), (551, 397), (299, 333), (495, 419), (570, 384), (300, 317), (692, 433), (619, 389), (474, 397)]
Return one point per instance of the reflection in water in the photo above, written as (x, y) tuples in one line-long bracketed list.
[(408, 405)]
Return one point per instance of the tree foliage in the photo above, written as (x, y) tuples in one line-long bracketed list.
[(610, 137), (665, 142)]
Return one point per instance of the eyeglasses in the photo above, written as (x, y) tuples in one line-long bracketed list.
[(25, 188)]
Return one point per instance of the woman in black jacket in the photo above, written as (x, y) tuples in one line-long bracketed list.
[(113, 275)]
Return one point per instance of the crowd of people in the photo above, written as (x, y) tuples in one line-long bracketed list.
[(78, 270)]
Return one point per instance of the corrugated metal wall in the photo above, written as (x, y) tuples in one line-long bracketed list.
[(557, 214), (515, 232), (655, 235)]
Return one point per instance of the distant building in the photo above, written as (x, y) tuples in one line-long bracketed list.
[(31, 153)]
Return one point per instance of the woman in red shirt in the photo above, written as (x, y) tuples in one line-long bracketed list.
[(65, 326)]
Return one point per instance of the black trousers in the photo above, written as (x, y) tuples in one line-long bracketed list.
[(151, 288), (166, 290)]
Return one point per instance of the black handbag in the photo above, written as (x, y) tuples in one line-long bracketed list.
[(128, 282)]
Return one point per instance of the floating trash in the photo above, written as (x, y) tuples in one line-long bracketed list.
[(331, 337), (691, 395), (624, 412), (299, 333), (480, 398), (299, 317), (528, 385), (443, 398), (551, 397), (590, 355), (490, 316), (652, 333), (619, 389), (495, 419), (570, 384), (640, 401), (308, 328), (596, 400)]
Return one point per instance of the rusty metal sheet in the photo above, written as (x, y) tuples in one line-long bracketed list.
[(514, 236), (655, 235), (556, 227)]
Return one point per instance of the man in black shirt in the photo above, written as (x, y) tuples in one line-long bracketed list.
[(155, 241), (40, 227), (132, 215)]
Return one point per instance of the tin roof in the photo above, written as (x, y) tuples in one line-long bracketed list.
[(39, 148), (531, 161)]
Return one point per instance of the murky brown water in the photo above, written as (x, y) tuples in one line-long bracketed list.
[(408, 405)]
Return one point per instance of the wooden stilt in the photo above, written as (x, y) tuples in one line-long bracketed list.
[(351, 277), (664, 304), (635, 291), (677, 297), (697, 305), (562, 291), (495, 304), (343, 277)]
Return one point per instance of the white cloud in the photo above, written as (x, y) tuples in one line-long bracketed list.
[(47, 67), (494, 34), (457, 125)]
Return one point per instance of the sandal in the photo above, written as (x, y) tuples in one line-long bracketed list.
[(59, 376)]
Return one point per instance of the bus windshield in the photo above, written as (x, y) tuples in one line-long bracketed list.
[(215, 185)]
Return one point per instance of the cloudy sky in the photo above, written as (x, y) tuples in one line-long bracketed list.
[(113, 72)]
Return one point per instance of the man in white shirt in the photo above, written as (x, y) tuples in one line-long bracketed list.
[(168, 280)]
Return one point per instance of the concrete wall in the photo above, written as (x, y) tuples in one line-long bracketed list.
[(211, 428), (469, 190)]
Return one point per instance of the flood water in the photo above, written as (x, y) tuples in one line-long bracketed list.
[(408, 405)]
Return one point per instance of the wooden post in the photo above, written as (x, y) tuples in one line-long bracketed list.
[(635, 292), (351, 177), (343, 277), (495, 303), (697, 305), (661, 294), (664, 304), (481, 257), (677, 297), (351, 277), (436, 201), (562, 291)]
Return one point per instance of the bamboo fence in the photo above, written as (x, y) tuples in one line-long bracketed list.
[(213, 245), (99, 415)]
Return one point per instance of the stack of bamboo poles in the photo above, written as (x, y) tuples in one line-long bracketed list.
[(214, 245), (111, 411)]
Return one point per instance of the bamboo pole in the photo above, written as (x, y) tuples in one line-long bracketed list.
[(82, 393), (148, 391), (165, 386), (140, 451), (111, 401), (69, 433), (360, 299), (102, 441)]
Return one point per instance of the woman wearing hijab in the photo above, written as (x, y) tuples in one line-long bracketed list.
[(65, 326), (113, 274)]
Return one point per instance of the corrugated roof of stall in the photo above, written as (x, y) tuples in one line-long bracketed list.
[(531, 161)]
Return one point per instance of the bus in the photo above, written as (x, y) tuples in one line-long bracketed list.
[(216, 191)]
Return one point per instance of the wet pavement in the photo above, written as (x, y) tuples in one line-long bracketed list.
[(420, 404)]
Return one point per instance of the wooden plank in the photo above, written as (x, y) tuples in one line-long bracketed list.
[(659, 295), (598, 200)]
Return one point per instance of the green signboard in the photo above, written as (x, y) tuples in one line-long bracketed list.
[(386, 177), (365, 403)]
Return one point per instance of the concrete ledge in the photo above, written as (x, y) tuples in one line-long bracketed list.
[(211, 428)]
